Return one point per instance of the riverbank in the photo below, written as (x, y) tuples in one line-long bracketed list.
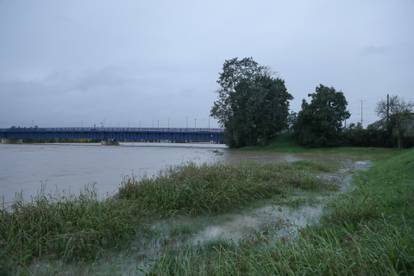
[(368, 231), (82, 228), (286, 144), (177, 223)]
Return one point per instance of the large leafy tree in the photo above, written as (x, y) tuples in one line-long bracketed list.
[(319, 123), (252, 105), (394, 112)]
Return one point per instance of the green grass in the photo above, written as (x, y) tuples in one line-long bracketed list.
[(369, 231), (316, 166), (68, 229), (81, 229), (212, 189), (286, 144), (296, 200)]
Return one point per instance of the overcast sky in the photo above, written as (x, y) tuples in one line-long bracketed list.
[(84, 62)]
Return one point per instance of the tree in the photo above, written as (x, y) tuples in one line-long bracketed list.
[(319, 123), (252, 105), (372, 136), (393, 112), (291, 120)]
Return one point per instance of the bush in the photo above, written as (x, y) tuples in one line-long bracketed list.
[(356, 135)]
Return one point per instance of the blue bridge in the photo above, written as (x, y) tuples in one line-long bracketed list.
[(175, 135)]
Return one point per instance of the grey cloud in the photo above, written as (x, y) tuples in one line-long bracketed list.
[(66, 62), (375, 50)]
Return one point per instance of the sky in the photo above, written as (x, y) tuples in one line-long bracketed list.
[(155, 63)]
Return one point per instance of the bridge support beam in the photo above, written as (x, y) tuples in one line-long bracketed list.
[(11, 141)]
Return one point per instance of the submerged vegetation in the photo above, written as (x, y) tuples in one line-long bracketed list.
[(286, 144), (211, 189), (368, 231), (81, 228)]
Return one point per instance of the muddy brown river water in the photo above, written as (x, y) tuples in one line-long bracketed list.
[(266, 221), (68, 168)]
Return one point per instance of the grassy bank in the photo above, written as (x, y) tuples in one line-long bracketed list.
[(286, 144), (80, 229), (369, 231), (193, 190)]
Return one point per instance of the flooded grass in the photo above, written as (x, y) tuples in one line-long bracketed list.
[(368, 231), (84, 229), (212, 189), (71, 229), (287, 144), (249, 218), (316, 166)]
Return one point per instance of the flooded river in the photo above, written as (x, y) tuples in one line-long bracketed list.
[(68, 168)]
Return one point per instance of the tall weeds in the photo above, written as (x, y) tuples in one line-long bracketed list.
[(217, 188), (368, 232), (81, 228)]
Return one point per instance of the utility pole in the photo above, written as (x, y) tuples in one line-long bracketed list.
[(388, 107), (361, 113)]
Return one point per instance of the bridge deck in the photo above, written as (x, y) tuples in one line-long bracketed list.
[(212, 135)]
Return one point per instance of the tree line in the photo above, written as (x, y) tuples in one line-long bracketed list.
[(253, 107)]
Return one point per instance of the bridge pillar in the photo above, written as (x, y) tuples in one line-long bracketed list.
[(11, 141)]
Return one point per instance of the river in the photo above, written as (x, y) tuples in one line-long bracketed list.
[(27, 169)]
